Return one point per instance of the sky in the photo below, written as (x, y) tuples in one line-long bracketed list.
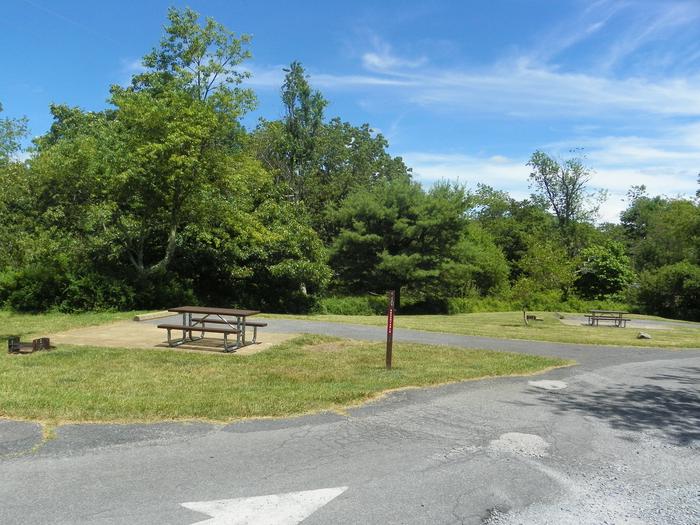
[(462, 90)]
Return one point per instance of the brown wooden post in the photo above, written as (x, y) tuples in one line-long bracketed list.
[(390, 328)]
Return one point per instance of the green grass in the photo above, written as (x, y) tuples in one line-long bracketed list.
[(309, 373), (509, 325), (28, 325)]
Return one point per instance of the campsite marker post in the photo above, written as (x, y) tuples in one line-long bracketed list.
[(390, 328)]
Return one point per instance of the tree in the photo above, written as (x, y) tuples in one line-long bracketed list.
[(395, 236), (547, 265), (661, 231), (173, 124), (321, 162), (604, 270), (511, 223), (290, 147), (671, 291), (202, 60), (475, 266), (12, 131), (564, 186), (16, 206), (158, 197)]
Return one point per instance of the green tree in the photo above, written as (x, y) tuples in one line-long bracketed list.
[(661, 230), (158, 197), (671, 291), (547, 265), (12, 131), (563, 185), (290, 147), (16, 205), (175, 124), (396, 236), (321, 162), (604, 270), (510, 222), (476, 266)]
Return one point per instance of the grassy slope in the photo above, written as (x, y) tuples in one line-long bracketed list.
[(307, 374), (509, 325)]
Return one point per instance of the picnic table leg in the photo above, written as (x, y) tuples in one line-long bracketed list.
[(190, 323)]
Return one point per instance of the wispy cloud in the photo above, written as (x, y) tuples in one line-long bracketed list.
[(654, 22), (519, 89), (666, 165), (382, 59), (610, 76)]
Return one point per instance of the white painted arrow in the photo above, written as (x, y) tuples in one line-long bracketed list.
[(276, 509)]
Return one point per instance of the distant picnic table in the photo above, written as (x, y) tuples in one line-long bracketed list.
[(225, 321), (615, 316)]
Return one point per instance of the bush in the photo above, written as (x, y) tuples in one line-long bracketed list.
[(352, 305), (604, 271), (671, 291), (33, 288), (542, 301)]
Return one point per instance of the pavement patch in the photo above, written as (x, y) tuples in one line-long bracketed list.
[(521, 444), (79, 438), (17, 437)]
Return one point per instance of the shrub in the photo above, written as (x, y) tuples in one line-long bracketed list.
[(671, 291), (352, 305), (604, 271)]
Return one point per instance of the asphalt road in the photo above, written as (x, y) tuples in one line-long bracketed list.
[(613, 440)]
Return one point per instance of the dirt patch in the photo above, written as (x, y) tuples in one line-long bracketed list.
[(132, 334)]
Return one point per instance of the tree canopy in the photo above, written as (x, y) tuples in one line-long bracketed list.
[(165, 196)]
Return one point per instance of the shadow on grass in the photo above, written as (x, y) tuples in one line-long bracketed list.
[(671, 410)]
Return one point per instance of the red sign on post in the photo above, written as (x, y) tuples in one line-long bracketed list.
[(390, 328)]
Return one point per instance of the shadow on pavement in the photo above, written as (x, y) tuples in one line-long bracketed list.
[(672, 411)]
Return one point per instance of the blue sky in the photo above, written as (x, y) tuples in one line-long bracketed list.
[(462, 89)]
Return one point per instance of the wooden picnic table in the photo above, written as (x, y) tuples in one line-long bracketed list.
[(210, 315), (616, 316)]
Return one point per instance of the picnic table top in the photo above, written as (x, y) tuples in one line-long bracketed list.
[(207, 310), (608, 312)]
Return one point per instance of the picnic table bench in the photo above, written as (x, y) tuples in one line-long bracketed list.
[(616, 316), (216, 316)]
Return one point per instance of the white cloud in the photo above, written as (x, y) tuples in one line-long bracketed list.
[(652, 22), (383, 60), (664, 165), (527, 91), (515, 89)]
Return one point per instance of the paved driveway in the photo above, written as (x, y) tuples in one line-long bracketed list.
[(613, 440)]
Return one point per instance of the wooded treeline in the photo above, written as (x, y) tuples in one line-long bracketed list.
[(165, 198)]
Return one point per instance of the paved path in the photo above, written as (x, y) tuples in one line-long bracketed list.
[(616, 440)]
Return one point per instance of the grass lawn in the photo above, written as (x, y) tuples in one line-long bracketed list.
[(509, 325), (28, 325), (306, 374)]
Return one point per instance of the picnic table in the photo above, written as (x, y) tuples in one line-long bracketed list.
[(616, 316), (226, 321)]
